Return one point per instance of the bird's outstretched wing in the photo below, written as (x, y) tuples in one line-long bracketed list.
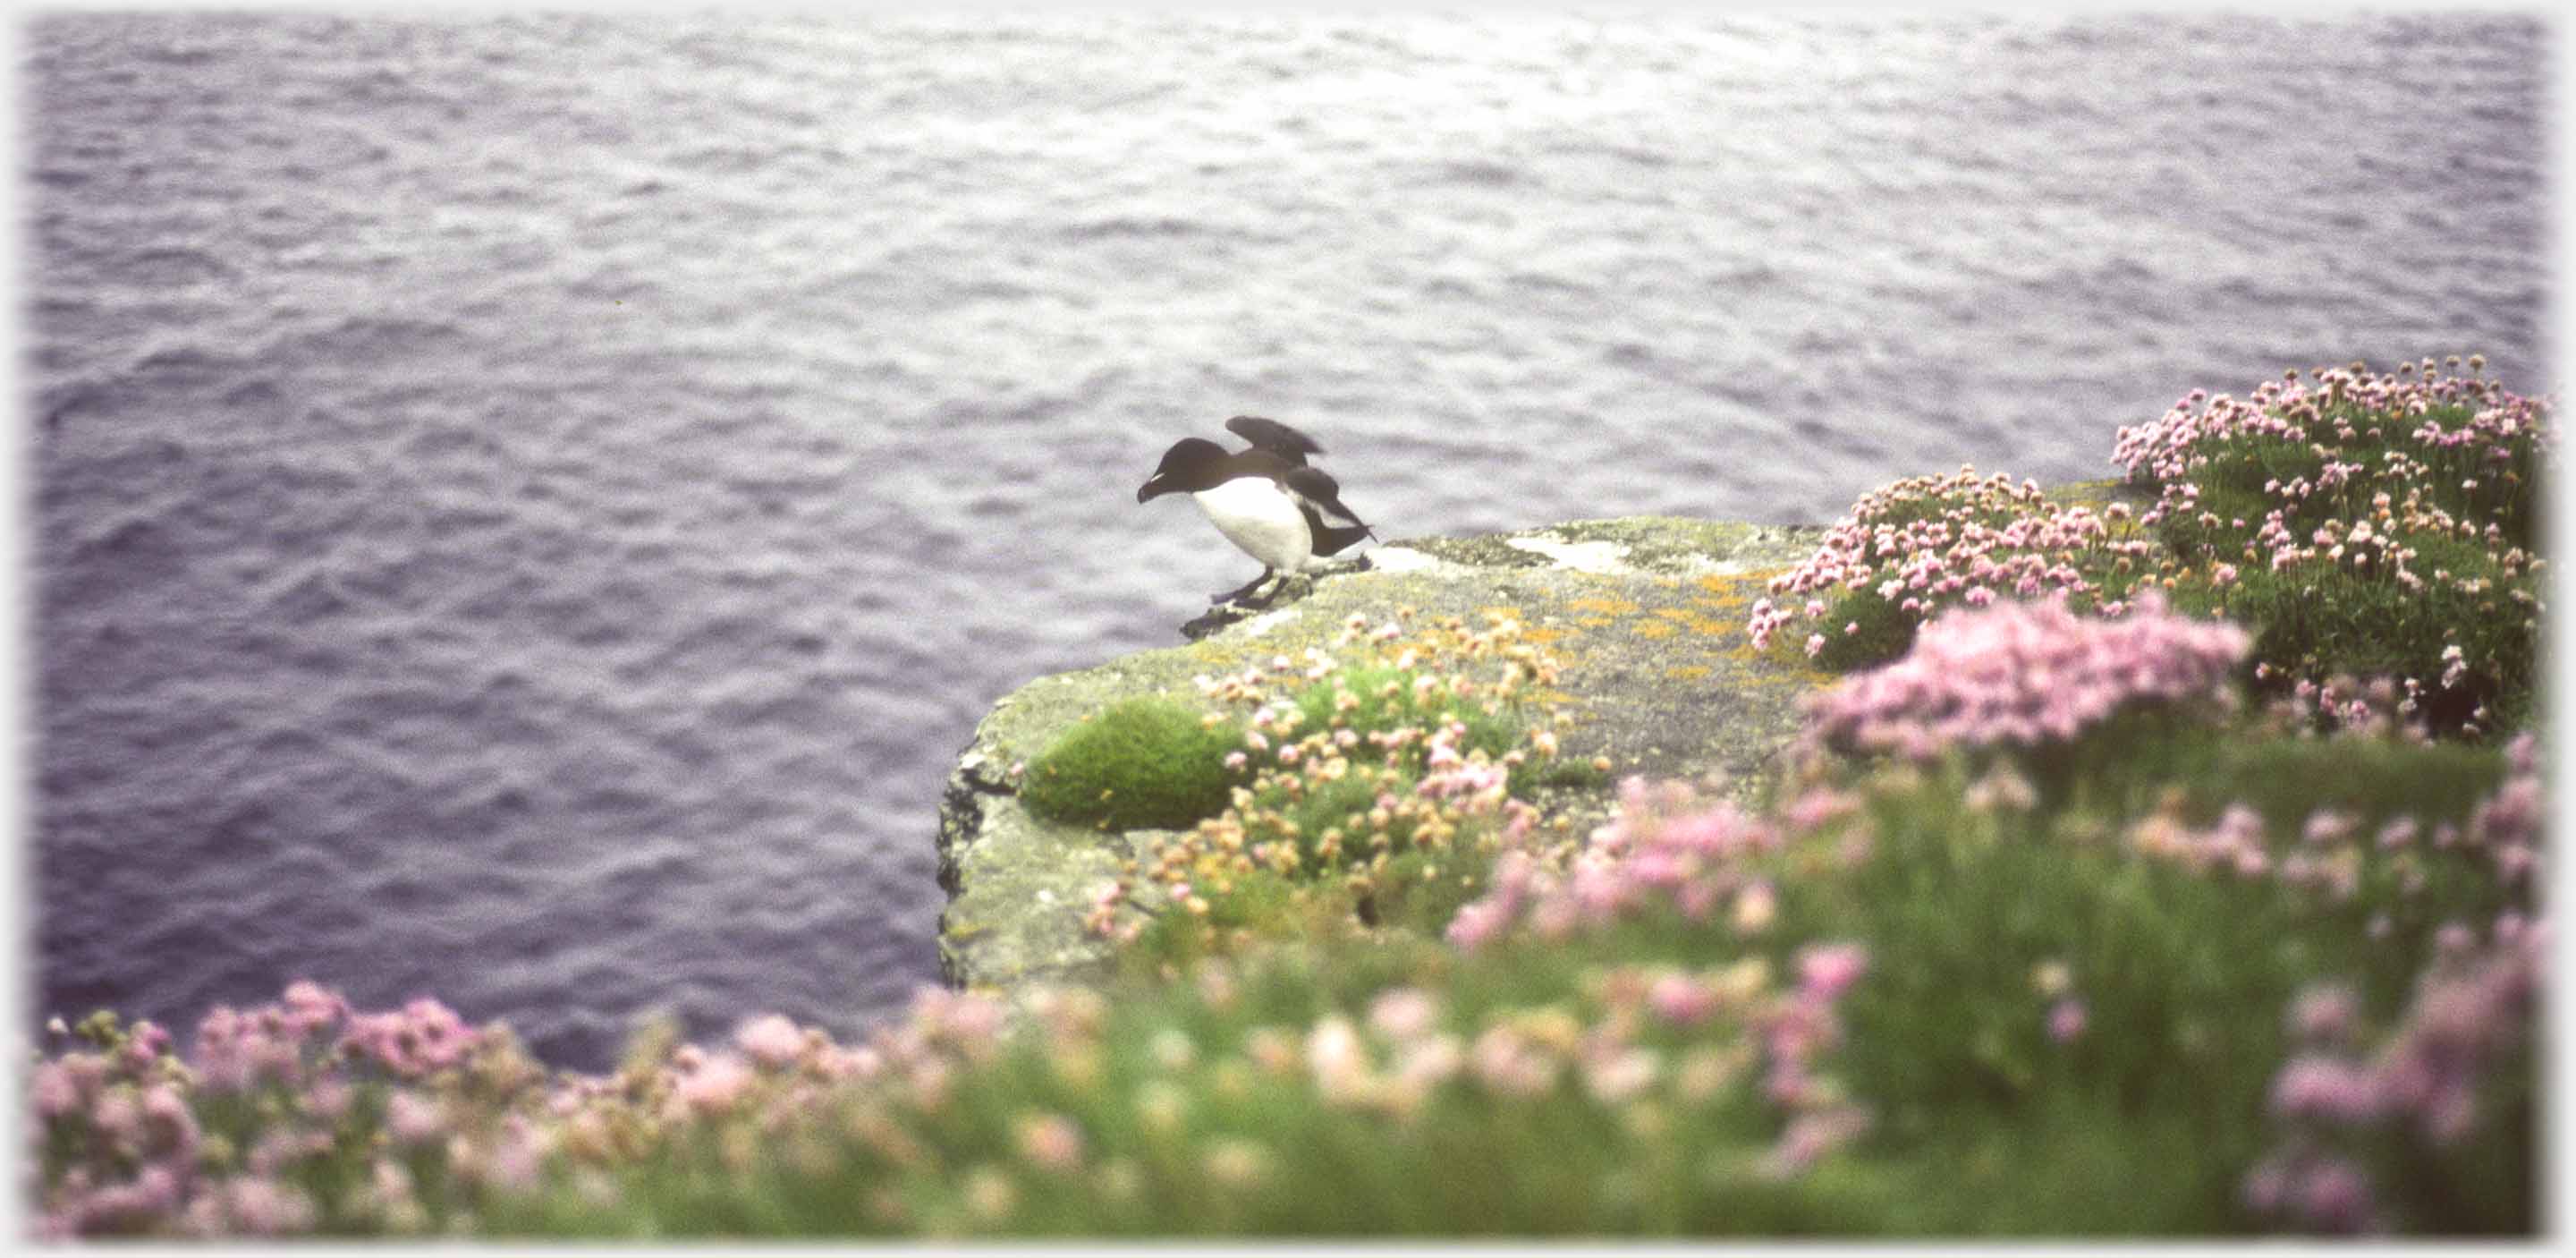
[(1321, 498), (1273, 436)]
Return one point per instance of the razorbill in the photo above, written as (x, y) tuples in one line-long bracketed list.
[(1264, 498)]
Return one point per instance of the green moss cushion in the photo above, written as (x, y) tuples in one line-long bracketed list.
[(1143, 763)]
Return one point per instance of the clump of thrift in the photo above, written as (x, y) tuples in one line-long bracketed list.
[(2023, 674)]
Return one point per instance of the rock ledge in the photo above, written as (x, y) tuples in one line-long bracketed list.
[(1646, 613)]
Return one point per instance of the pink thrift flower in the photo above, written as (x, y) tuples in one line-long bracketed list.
[(2267, 1186), (519, 1158), (2335, 1195), (1816, 806), (119, 1116), (145, 1042), (264, 1207), (969, 1020), (1403, 1013), (2399, 832), (1811, 1136), (2325, 826), (1478, 923), (715, 1086), (1050, 1141), (771, 1040), (2066, 1020), (2324, 1088), (1614, 1076), (2325, 1013), (1681, 1000), (1827, 970), (1503, 1064), (411, 1119), (311, 1006), (1429, 1062), (2023, 674), (54, 1091), (425, 1036)]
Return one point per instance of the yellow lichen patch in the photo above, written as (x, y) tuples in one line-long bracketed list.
[(1655, 629), (1696, 621), (1690, 672), (1606, 606), (1544, 637), (1783, 668), (1731, 592)]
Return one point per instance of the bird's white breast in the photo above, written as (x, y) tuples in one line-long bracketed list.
[(1254, 514)]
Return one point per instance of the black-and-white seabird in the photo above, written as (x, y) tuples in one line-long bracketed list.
[(1264, 498)]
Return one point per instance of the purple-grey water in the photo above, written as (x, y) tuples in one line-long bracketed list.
[(525, 509)]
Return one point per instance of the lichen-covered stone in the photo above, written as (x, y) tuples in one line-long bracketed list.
[(1645, 614)]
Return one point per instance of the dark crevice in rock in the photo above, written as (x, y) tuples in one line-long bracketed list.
[(961, 819)]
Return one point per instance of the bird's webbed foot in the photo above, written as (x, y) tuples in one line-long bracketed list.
[(1241, 590)]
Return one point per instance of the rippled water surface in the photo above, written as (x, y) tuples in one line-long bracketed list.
[(527, 509)]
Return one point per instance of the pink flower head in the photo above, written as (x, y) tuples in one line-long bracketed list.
[(2335, 1195), (2326, 826), (55, 1090), (2324, 1088), (260, 1207), (1811, 1136), (2325, 1013), (1613, 1075), (967, 1019), (1404, 1013), (2066, 1020), (1826, 971), (411, 1119), (426, 1036), (1050, 1141), (1816, 806), (1681, 1000), (2026, 673), (715, 1085), (147, 1040), (771, 1040), (311, 1007), (1503, 1063), (1479, 923)]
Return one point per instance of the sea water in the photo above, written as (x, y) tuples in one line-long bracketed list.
[(527, 509)]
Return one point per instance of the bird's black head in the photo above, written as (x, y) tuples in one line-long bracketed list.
[(1189, 466)]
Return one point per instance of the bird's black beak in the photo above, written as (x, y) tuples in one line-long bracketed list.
[(1151, 487)]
